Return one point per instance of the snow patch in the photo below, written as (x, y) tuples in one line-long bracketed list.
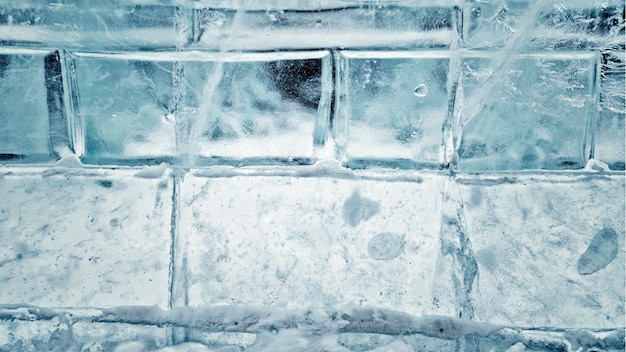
[(596, 165), (69, 161), (156, 171)]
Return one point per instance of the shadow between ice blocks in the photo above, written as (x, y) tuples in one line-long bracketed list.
[(198, 108)]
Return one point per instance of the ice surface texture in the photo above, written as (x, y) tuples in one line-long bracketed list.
[(312, 176), (498, 85)]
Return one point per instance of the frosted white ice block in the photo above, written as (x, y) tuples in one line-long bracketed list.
[(550, 249), (124, 107), (535, 111), (84, 240), (396, 105), (291, 242), (24, 121)]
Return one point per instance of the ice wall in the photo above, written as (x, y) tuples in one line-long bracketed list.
[(324, 175)]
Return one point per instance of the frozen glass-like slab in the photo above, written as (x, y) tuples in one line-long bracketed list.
[(255, 107), (395, 106), (298, 25), (528, 112), (86, 25), (291, 242), (610, 140), (25, 132), (80, 239), (555, 25), (125, 107), (550, 249), (201, 107)]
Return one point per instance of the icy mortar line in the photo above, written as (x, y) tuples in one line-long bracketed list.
[(248, 319)]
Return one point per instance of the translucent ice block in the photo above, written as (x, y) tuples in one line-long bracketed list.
[(289, 25), (124, 104), (25, 131), (609, 139), (396, 105), (120, 25), (528, 112), (256, 107)]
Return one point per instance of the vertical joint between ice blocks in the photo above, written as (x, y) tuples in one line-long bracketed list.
[(342, 113), (589, 141)]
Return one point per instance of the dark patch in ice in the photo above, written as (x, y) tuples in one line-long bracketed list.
[(601, 251), (357, 209), (299, 80), (105, 183), (385, 246), (4, 156), (476, 196), (620, 165), (487, 258), (5, 62)]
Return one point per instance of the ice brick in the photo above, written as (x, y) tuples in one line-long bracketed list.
[(510, 25), (98, 239), (513, 26), (125, 107), (396, 106), (609, 141), (263, 106), (528, 111), (294, 242), (531, 237), (289, 25), (62, 334), (89, 25), (25, 131), (119, 336)]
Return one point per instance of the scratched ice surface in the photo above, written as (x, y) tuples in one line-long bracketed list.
[(312, 175)]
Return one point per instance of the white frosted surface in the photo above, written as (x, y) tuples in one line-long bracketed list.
[(297, 242), (528, 236), (75, 240)]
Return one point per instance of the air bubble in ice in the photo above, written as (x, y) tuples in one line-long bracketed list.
[(601, 251), (357, 209), (385, 246), (421, 91)]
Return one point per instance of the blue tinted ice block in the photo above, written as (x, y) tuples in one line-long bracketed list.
[(256, 108), (535, 111), (28, 88), (124, 107), (396, 107)]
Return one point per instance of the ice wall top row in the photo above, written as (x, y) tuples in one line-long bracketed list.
[(296, 24), (486, 85)]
